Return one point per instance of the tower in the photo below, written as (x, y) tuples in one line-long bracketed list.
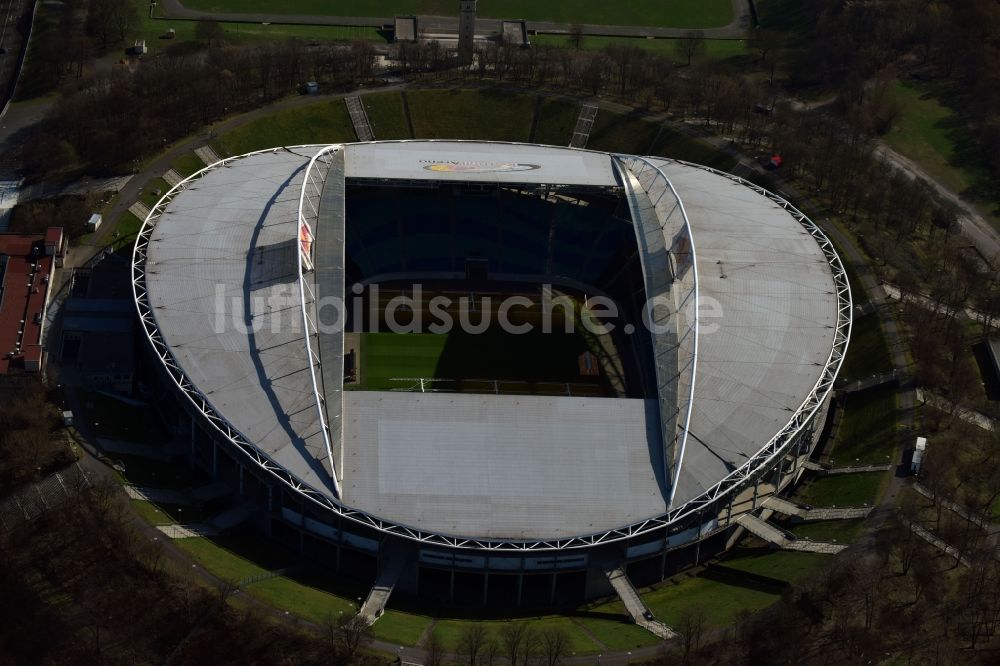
[(466, 29)]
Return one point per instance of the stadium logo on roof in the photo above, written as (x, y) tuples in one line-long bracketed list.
[(453, 166)]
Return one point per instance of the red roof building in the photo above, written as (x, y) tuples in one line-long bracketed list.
[(27, 263)]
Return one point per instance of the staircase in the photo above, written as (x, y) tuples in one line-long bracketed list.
[(826, 470), (789, 508), (140, 210), (765, 530), (394, 559), (784, 506), (637, 610), (784, 540), (359, 118), (207, 155), (172, 177), (584, 123), (808, 546)]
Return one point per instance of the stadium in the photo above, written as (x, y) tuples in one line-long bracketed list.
[(492, 372)]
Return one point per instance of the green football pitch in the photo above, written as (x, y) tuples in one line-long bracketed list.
[(391, 361), (664, 13)]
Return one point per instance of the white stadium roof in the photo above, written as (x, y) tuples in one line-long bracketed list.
[(478, 162), (481, 466)]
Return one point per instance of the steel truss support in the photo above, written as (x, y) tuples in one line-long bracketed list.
[(716, 496)]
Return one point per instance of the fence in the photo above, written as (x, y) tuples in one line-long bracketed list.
[(43, 496)]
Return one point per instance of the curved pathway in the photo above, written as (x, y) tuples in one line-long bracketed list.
[(736, 29)]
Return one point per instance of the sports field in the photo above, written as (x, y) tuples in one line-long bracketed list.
[(666, 13), (715, 49), (529, 363)]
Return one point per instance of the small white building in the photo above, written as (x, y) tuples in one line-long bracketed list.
[(94, 223), (918, 455)]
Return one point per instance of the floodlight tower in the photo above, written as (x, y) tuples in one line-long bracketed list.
[(466, 29)]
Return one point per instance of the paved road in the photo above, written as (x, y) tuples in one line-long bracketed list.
[(736, 29), (11, 45), (974, 225), (21, 115)]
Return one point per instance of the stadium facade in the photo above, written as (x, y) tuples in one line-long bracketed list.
[(253, 277)]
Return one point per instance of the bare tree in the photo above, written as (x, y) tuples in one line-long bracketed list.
[(489, 652), (576, 36), (110, 20), (435, 650), (363, 57), (690, 45), (691, 628), (472, 640), (347, 635), (765, 41), (555, 643), (513, 639), (209, 32)]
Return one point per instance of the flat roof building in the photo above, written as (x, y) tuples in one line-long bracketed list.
[(27, 264)]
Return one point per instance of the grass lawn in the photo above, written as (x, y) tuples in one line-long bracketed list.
[(319, 596), (308, 602), (449, 631), (787, 565), (167, 514), (470, 114), (841, 531), (679, 146), (715, 49), (386, 115), (720, 601), (400, 627), (188, 164), (867, 353), (794, 17), (609, 624), (859, 294), (843, 489), (128, 224), (155, 473), (556, 121), (675, 13), (932, 135), (615, 132), (149, 196), (310, 593), (128, 227), (153, 29), (867, 430), (323, 122), (218, 560)]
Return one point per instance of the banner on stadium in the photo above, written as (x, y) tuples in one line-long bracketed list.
[(306, 244)]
